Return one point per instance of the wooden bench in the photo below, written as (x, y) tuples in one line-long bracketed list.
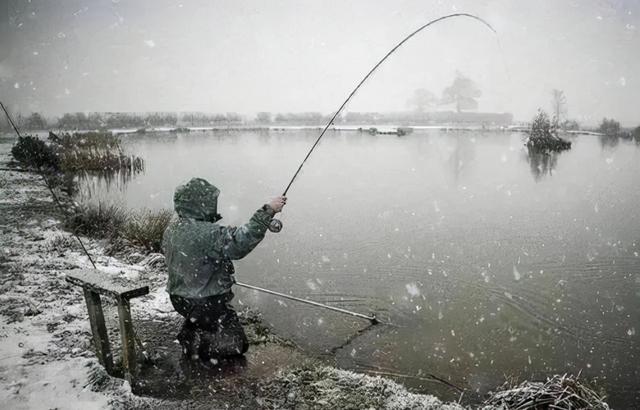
[(95, 283)]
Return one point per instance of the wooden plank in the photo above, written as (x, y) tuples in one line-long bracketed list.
[(104, 284), (99, 330), (128, 341)]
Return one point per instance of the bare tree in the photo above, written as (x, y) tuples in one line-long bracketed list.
[(463, 92), (558, 106)]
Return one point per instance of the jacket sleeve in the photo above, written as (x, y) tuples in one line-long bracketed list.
[(239, 241)]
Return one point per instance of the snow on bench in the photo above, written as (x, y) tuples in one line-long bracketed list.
[(95, 283)]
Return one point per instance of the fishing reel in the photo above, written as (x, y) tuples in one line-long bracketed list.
[(275, 225)]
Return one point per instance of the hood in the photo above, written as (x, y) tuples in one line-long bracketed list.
[(197, 199)]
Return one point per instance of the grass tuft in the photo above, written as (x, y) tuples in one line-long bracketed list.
[(113, 222), (145, 228), (99, 221)]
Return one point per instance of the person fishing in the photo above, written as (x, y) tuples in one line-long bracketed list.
[(199, 254)]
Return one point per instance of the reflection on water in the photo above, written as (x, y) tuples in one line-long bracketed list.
[(89, 185), (483, 270), (462, 154), (542, 163), (608, 141)]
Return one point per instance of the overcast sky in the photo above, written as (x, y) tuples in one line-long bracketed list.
[(291, 56)]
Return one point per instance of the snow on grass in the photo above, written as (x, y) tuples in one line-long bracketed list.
[(314, 386)]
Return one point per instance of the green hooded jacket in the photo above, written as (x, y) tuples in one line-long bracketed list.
[(197, 250)]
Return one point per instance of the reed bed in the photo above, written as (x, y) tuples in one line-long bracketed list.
[(96, 140), (96, 160), (91, 151), (558, 392), (94, 151)]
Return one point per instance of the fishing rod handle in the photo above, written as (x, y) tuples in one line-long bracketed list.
[(275, 225)]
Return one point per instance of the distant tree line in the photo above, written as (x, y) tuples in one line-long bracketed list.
[(409, 118), (204, 119), (103, 121), (99, 121), (34, 121), (612, 131), (373, 118)]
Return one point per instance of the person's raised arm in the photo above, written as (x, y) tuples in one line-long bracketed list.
[(239, 241)]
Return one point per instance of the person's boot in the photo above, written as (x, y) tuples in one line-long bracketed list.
[(190, 341), (223, 343)]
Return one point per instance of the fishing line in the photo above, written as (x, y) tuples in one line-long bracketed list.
[(276, 225)]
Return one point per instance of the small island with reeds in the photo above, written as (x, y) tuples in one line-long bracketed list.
[(543, 135)]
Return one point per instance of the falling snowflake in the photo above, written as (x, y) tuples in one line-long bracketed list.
[(516, 274), (311, 285), (412, 289)]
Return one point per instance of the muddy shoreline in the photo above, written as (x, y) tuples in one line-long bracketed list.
[(46, 353)]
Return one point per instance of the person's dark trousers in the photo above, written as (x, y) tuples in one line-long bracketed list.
[(211, 329)]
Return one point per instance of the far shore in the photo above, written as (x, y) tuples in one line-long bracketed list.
[(379, 129)]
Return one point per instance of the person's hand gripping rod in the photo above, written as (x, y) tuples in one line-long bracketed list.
[(277, 204)]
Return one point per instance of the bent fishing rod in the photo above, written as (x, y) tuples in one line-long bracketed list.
[(276, 225)]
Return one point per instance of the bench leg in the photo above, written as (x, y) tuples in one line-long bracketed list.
[(128, 341), (99, 330)]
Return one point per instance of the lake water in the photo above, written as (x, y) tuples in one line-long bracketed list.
[(488, 263)]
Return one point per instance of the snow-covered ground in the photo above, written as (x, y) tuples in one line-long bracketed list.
[(45, 356)]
